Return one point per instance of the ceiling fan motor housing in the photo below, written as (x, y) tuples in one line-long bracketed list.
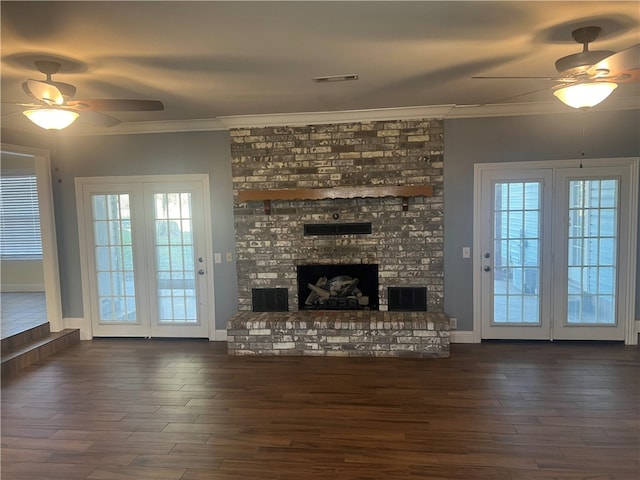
[(578, 63)]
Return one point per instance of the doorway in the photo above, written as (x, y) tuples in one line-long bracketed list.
[(557, 250), (34, 302), (145, 244)]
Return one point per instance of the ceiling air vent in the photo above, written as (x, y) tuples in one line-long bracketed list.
[(336, 78), (337, 228)]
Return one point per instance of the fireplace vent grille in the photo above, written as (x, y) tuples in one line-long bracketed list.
[(407, 299), (270, 299), (337, 228)]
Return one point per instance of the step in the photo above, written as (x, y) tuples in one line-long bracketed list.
[(13, 342), (14, 360)]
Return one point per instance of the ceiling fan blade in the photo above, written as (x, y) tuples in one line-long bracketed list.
[(23, 104), (518, 78), (8, 114), (43, 92), (68, 91), (619, 63), (117, 105), (504, 99), (98, 118)]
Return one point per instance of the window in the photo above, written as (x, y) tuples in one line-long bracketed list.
[(20, 237)]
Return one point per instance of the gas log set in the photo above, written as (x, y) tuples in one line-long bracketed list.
[(337, 293)]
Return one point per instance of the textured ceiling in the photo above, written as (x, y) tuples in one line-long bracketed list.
[(206, 60)]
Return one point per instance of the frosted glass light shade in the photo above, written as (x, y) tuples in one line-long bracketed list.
[(51, 118), (583, 95)]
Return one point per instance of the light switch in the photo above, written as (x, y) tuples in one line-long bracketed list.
[(217, 257), (466, 252), (229, 257)]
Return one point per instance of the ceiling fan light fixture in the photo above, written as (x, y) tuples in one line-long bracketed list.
[(583, 95), (51, 118)]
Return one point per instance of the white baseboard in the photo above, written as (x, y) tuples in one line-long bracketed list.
[(24, 287), (461, 336), (85, 331), (220, 336)]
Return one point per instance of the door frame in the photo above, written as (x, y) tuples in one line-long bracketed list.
[(85, 270), (50, 265), (629, 277)]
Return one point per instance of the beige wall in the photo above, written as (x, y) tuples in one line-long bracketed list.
[(21, 276)]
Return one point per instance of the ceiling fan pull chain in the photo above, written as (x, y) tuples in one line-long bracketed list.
[(582, 113)]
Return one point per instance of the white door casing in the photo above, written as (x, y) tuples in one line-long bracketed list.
[(50, 264), (597, 291), (119, 223)]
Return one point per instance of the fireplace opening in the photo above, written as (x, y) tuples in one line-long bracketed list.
[(338, 287)]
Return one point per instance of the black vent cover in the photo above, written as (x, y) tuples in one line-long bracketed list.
[(407, 299), (270, 299), (337, 228)]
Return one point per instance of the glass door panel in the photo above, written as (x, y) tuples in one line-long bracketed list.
[(590, 241), (114, 259), (180, 280), (592, 244), (115, 278), (516, 255), (512, 255), (175, 262)]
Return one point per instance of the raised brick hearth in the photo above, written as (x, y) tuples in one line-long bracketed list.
[(345, 334)]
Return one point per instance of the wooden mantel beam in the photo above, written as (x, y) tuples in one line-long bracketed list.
[(336, 192), (377, 191)]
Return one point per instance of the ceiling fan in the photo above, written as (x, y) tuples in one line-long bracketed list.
[(54, 100), (588, 77)]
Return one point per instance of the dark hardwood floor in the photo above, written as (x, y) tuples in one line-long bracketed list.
[(162, 410)]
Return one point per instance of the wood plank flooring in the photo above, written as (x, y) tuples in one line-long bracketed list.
[(169, 410)]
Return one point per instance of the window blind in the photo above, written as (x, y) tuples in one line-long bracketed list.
[(20, 237)]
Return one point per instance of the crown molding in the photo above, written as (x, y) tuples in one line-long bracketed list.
[(344, 116), (538, 108), (138, 128)]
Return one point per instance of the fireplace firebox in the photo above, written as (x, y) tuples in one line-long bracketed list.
[(338, 287)]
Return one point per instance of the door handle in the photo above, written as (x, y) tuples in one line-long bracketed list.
[(201, 272), (487, 268)]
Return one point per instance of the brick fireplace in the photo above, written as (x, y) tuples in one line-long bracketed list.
[(404, 240)]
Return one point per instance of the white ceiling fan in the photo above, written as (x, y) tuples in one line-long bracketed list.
[(590, 76), (54, 106)]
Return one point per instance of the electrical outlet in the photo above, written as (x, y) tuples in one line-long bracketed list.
[(466, 252), (453, 323), (217, 257), (229, 257)]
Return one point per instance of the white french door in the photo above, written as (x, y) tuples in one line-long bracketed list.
[(516, 281), (144, 242), (555, 246)]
